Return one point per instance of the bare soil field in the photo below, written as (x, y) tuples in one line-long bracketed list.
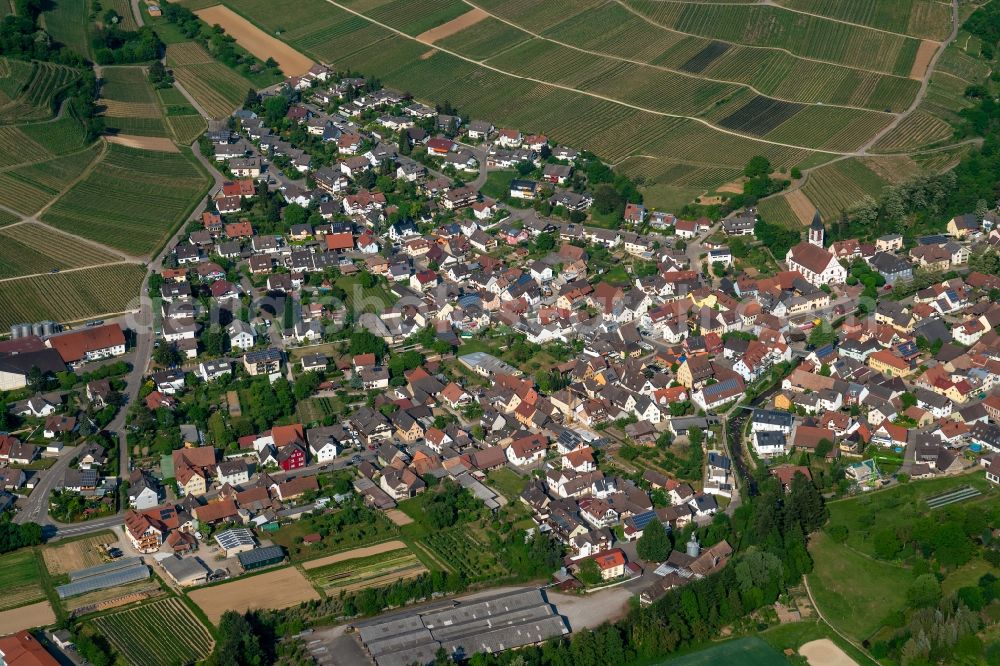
[(255, 40), (352, 554), (592, 610), (735, 187), (161, 144), (448, 29), (398, 517), (26, 617), (277, 589), (801, 206), (75, 555), (824, 652), (924, 54)]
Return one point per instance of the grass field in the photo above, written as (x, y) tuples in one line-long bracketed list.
[(30, 248), (854, 590), (745, 651), (159, 633), (66, 22), (132, 200), (372, 571), (855, 593), (73, 296), (20, 579)]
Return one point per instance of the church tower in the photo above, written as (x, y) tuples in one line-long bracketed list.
[(816, 231)]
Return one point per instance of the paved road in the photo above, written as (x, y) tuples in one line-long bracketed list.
[(36, 508)]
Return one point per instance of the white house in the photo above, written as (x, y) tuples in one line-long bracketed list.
[(816, 265), (241, 335)]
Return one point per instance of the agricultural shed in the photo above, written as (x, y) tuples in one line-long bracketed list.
[(261, 557), (185, 570)]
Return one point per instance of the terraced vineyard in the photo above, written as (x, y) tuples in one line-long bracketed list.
[(71, 296), (28, 89), (160, 633), (132, 199)]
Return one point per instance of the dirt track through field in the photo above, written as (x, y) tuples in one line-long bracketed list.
[(923, 58), (277, 589), (824, 652), (25, 617), (352, 554), (448, 29), (161, 144), (255, 40), (801, 206)]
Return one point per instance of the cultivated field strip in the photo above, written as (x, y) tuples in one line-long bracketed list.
[(540, 16), (612, 29), (801, 34), (59, 136), (30, 187), (918, 129), (837, 187), (16, 147), (30, 248), (920, 18), (131, 200), (71, 296), (218, 89), (160, 633), (484, 39), (776, 210)]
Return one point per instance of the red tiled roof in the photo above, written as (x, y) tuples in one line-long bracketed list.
[(74, 345)]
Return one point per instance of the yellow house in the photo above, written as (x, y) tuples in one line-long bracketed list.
[(889, 364), (783, 402), (191, 481)]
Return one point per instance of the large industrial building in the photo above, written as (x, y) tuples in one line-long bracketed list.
[(500, 623)]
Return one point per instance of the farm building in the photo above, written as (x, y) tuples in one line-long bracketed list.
[(511, 620), (185, 570), (121, 571), (235, 541), (261, 557)]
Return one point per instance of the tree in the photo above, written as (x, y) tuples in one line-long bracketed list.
[(167, 355), (589, 573), (822, 334), (757, 166), (606, 199), (545, 242), (654, 544), (925, 590), (886, 544), (237, 644)]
